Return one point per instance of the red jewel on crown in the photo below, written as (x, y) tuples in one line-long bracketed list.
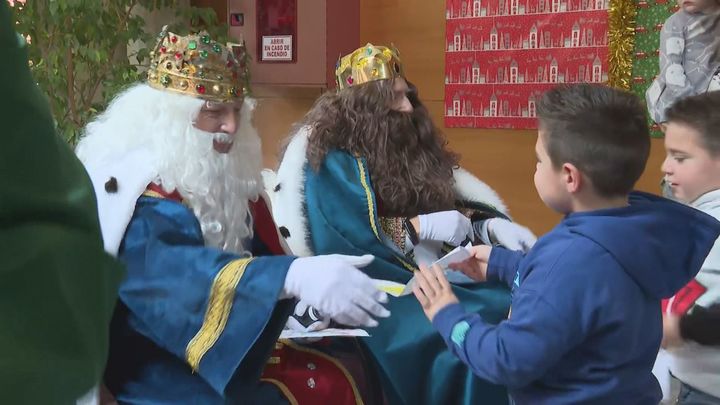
[(350, 80), (173, 39), (178, 55), (200, 88), (163, 49)]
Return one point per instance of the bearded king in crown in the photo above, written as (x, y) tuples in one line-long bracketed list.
[(175, 164), (367, 171)]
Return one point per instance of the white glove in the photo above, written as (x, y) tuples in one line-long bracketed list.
[(306, 319), (499, 231), (334, 286), (446, 226)]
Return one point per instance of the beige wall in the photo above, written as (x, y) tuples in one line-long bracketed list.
[(503, 159), (277, 110), (309, 67)]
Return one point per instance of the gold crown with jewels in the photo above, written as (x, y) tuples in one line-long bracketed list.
[(367, 64), (197, 66)]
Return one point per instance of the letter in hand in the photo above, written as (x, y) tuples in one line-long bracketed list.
[(476, 266), (433, 290)]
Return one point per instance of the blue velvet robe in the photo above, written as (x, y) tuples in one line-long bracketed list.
[(414, 362), (193, 324)]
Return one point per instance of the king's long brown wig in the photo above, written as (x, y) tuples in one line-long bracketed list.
[(410, 167)]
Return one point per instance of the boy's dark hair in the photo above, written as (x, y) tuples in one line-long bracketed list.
[(701, 113), (601, 130)]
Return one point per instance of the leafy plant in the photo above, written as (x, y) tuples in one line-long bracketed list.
[(79, 49)]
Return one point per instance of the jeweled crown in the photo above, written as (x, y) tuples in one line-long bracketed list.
[(367, 64), (197, 66)]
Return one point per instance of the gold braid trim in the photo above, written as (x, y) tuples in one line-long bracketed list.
[(351, 380), (153, 194), (621, 40), (222, 294), (284, 389), (407, 265), (368, 196), (371, 210)]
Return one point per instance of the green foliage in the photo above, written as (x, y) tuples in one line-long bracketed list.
[(79, 50)]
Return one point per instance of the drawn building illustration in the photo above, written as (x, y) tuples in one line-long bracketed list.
[(501, 55)]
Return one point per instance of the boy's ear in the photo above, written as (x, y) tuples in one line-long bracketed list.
[(572, 178)]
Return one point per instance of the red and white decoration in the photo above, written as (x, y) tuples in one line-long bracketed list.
[(501, 55)]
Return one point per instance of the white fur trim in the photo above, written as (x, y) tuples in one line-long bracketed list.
[(470, 188), (289, 200), (269, 181), (265, 197), (133, 172)]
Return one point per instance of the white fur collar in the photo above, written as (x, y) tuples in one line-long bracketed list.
[(118, 183), (269, 203), (287, 194), (470, 188)]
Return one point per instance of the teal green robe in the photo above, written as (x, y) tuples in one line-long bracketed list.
[(413, 360), (59, 287)]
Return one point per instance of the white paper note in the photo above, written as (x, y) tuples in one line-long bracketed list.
[(293, 334), (457, 255)]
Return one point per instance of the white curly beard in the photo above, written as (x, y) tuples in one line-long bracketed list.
[(218, 187)]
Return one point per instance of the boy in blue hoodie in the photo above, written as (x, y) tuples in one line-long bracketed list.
[(585, 324)]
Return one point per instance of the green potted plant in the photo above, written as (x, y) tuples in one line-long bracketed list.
[(79, 51)]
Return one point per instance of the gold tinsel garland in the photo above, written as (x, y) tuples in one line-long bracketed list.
[(621, 42)]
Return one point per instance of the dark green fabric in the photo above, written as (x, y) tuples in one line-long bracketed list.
[(58, 285)]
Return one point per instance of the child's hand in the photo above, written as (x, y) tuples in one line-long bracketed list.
[(476, 266), (671, 332), (433, 290)]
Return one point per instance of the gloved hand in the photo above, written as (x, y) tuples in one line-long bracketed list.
[(333, 285), (306, 318), (446, 226), (499, 231)]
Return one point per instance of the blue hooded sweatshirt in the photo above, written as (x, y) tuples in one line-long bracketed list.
[(585, 324)]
